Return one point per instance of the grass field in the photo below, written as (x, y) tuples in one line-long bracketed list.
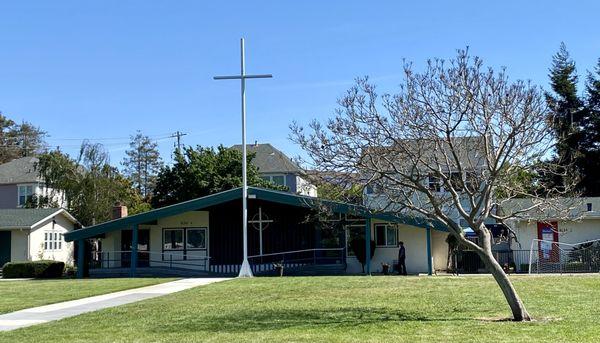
[(342, 309), (17, 295)]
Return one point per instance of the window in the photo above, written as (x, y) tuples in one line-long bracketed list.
[(276, 179), (434, 183), (53, 240), (173, 239), (456, 181), (25, 194), (386, 235), (589, 207), (353, 232), (196, 239)]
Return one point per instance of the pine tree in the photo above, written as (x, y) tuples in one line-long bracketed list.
[(142, 164), (567, 112), (19, 140), (591, 142)]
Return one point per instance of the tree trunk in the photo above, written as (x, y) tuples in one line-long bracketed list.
[(514, 301)]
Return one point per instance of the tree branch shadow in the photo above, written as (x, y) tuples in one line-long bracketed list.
[(249, 320)]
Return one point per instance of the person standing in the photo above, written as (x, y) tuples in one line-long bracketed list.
[(402, 259)]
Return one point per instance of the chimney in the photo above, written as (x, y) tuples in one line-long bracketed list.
[(119, 211), (255, 143)]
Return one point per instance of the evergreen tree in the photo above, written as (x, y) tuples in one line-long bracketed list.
[(19, 140), (142, 163), (567, 114), (591, 142)]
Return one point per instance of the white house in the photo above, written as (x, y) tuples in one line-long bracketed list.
[(35, 234)]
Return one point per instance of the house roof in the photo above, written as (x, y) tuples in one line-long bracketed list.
[(270, 160), (21, 170), (27, 218), (253, 193)]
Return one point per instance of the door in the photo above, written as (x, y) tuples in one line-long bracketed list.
[(143, 248), (548, 233), (4, 247)]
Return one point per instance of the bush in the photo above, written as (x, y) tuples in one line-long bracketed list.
[(33, 269)]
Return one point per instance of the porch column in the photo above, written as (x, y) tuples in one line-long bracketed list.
[(368, 245), (80, 258), (429, 261), (134, 249)]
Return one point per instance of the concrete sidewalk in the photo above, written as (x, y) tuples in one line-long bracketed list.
[(46, 313)]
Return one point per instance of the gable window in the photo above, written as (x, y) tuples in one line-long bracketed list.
[(386, 235), (276, 179), (25, 194), (52, 240)]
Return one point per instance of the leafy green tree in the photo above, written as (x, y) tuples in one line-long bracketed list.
[(202, 171), (91, 186), (142, 163), (19, 140)]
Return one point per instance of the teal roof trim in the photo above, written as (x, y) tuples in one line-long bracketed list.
[(340, 207), (167, 211), (253, 193)]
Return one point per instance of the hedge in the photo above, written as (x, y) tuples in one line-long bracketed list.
[(33, 269)]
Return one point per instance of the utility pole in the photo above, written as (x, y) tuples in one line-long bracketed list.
[(178, 135), (245, 270)]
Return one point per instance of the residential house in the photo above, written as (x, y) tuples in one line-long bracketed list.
[(29, 234), (274, 166), (20, 182)]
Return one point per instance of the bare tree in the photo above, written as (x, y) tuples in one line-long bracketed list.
[(455, 138)]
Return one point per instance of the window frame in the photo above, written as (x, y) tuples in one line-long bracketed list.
[(53, 240), (26, 196), (184, 234), (386, 227), (269, 178)]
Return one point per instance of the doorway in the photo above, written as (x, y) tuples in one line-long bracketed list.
[(5, 237)]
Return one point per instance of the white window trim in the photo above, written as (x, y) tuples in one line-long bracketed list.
[(387, 226), (55, 241), (270, 178), (34, 191), (205, 238)]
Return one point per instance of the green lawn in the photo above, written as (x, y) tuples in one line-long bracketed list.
[(17, 295), (342, 309)]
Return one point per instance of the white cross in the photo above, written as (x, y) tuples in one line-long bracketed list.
[(260, 228), (245, 270)]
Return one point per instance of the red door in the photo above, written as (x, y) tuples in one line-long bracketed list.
[(547, 247)]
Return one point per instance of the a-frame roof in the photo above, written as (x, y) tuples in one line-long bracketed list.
[(253, 193)]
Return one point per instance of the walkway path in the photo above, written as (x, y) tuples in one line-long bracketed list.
[(46, 313)]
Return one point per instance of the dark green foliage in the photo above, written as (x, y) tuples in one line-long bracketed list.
[(359, 247), (576, 123), (202, 171), (45, 269), (19, 140)]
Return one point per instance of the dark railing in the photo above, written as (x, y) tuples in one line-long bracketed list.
[(296, 259), (514, 261), (122, 259)]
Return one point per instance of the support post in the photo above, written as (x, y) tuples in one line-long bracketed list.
[(368, 246), (80, 258), (429, 258), (134, 249)]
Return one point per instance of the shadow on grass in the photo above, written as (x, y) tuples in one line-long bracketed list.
[(277, 319)]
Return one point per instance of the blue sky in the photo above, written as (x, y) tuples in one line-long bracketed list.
[(103, 69)]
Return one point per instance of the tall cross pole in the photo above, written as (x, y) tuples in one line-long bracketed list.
[(245, 270)]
